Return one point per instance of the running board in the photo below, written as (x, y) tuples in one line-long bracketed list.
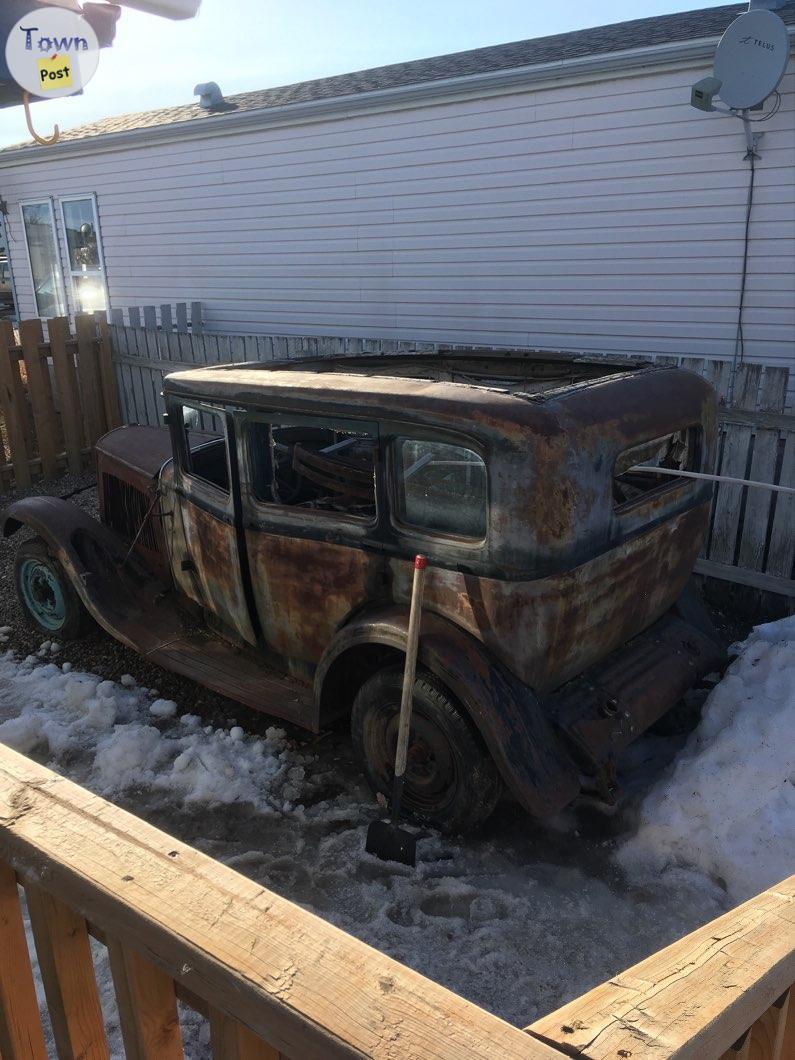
[(237, 674)]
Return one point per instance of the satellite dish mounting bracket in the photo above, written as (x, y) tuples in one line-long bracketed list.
[(752, 139)]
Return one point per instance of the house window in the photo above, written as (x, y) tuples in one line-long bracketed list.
[(38, 221), (440, 488), (84, 253)]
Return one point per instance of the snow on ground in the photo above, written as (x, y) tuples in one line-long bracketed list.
[(727, 804), (519, 918)]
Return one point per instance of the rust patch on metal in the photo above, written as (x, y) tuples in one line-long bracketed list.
[(305, 589)]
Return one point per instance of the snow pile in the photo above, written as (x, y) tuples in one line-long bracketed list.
[(519, 918), (70, 716), (727, 806)]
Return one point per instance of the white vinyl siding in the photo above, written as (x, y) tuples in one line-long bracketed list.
[(606, 216)]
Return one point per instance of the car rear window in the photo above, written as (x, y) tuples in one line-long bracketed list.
[(634, 473), (440, 488)]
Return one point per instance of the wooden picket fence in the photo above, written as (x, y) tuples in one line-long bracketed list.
[(57, 397), (751, 538), (276, 982), (181, 317)]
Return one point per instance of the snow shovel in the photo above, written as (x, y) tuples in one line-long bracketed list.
[(386, 839)]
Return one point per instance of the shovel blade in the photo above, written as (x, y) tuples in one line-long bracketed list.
[(391, 843)]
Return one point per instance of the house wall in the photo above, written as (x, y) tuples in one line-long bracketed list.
[(603, 216)]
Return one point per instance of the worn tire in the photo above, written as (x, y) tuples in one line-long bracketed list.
[(451, 780), (41, 582)]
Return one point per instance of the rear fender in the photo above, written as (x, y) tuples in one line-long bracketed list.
[(531, 760), (93, 557)]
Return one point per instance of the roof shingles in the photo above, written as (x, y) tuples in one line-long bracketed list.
[(603, 40)]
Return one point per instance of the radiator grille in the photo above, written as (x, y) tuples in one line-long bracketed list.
[(126, 509)]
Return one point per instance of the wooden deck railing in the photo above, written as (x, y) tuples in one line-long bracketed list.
[(275, 981), (724, 991), (272, 978)]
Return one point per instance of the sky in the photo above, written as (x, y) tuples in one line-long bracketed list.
[(253, 44)]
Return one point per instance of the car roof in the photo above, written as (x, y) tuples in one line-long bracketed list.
[(470, 387)]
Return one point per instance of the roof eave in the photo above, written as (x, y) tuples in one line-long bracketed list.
[(571, 70)]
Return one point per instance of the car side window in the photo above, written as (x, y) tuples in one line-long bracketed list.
[(440, 488), (636, 471), (205, 444), (315, 465)]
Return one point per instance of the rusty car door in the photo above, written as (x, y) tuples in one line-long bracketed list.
[(205, 552), (310, 501)]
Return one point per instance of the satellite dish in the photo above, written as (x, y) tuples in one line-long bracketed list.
[(751, 58)]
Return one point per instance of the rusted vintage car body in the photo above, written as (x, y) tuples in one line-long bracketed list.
[(562, 630)]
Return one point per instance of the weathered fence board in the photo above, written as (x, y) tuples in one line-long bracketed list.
[(68, 391), (179, 316), (13, 407), (40, 393), (772, 394), (49, 428)]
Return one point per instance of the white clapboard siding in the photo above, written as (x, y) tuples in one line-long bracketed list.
[(602, 216)]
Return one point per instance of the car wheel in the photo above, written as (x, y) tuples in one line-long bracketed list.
[(48, 597), (451, 780)]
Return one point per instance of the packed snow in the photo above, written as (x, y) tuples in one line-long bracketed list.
[(519, 918), (727, 805)]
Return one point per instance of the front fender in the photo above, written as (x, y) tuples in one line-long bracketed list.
[(111, 585), (523, 744)]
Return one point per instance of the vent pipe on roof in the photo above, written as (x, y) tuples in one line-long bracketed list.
[(210, 95)]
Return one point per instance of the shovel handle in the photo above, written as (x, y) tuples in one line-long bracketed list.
[(409, 672)]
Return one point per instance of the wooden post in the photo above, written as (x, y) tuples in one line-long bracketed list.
[(110, 389), (147, 1006), (231, 1040), (89, 377), (40, 392), (68, 391), (21, 1033), (13, 406), (196, 317), (67, 972)]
